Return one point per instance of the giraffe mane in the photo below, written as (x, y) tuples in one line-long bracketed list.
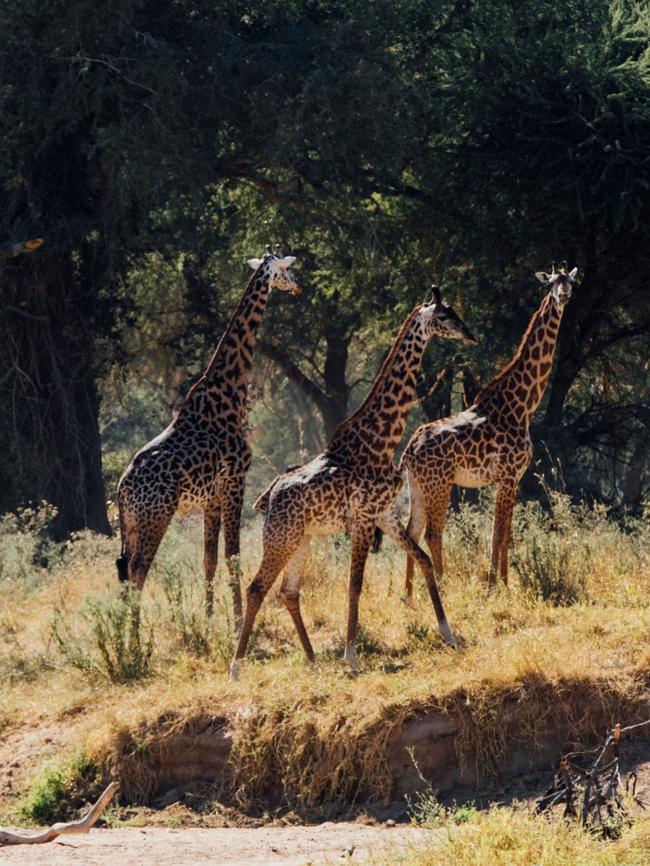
[(379, 378), (501, 375)]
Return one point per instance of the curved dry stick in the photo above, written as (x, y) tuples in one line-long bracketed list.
[(81, 826)]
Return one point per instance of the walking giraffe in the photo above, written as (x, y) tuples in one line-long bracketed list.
[(200, 461), (350, 487), (489, 442)]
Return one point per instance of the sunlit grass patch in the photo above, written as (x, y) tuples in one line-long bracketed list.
[(321, 733), (515, 837)]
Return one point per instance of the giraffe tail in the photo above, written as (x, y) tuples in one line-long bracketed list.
[(376, 542), (261, 503), (122, 561)]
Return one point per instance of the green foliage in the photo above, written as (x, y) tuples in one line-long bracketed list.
[(117, 645), (54, 790), (44, 798), (552, 556), (26, 550), (387, 145)]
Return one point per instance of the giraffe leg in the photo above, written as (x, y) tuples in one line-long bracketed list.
[(232, 499), (211, 525), (417, 519), (149, 534), (436, 516), (290, 592), (390, 524), (505, 537), (505, 500), (274, 558), (362, 536)]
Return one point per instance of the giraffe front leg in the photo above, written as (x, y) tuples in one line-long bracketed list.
[(361, 540), (416, 522), (436, 517), (150, 531), (232, 500), (390, 524), (290, 592), (211, 525), (505, 500), (508, 508)]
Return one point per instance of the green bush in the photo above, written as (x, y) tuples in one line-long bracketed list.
[(115, 645)]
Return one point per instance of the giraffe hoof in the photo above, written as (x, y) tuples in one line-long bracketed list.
[(447, 634), (350, 656), (234, 670)]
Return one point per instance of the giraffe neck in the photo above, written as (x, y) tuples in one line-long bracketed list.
[(378, 424), (519, 388), (225, 381)]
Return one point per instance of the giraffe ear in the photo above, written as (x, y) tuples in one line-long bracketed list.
[(573, 274), (543, 277), (254, 263), (286, 262)]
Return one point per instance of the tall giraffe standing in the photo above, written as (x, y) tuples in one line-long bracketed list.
[(489, 442), (200, 461), (350, 487)]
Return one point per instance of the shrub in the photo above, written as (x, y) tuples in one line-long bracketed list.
[(26, 551), (116, 645)]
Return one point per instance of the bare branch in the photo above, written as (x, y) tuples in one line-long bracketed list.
[(60, 829)]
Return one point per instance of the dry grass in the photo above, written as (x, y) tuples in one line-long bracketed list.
[(512, 837), (321, 734)]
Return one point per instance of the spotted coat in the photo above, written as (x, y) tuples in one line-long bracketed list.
[(199, 462), (350, 487), (488, 443)]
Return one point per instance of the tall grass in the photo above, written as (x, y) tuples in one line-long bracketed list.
[(577, 610)]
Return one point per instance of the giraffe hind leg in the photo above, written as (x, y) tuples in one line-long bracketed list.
[(274, 558), (389, 522), (290, 593), (211, 526)]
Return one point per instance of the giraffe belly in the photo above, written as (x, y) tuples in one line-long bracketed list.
[(478, 477)]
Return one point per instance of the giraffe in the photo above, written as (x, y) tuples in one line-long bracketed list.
[(199, 462), (350, 486), (488, 443)]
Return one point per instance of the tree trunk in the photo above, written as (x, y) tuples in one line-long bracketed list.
[(49, 431), (334, 406)]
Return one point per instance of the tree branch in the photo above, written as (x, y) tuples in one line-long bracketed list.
[(81, 826)]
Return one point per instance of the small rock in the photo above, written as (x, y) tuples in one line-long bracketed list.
[(390, 823)]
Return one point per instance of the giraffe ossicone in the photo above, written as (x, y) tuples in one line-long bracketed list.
[(199, 462)]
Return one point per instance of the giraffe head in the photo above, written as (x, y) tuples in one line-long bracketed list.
[(279, 271), (560, 282), (439, 319)]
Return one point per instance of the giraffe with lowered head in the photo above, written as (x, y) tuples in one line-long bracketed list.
[(200, 461), (488, 443), (350, 487)]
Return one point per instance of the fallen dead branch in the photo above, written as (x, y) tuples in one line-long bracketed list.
[(81, 826), (593, 793)]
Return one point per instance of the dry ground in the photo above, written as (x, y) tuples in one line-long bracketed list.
[(262, 846)]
